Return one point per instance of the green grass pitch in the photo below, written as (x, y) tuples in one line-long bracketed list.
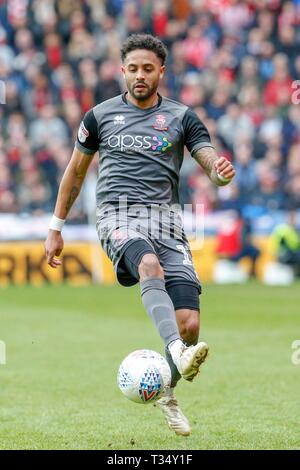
[(64, 345)]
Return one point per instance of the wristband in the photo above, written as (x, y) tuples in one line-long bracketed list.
[(56, 223), (221, 178)]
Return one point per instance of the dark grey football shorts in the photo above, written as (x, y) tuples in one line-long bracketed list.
[(161, 228)]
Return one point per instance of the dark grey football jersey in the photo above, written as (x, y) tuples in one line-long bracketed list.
[(141, 150)]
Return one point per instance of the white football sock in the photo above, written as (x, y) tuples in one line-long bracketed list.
[(175, 348)]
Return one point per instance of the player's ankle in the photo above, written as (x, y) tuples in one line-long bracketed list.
[(169, 392), (175, 348)]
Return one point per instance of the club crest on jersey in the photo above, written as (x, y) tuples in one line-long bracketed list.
[(119, 120), (160, 123), (118, 235), (83, 133)]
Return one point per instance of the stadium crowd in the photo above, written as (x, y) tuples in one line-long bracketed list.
[(236, 63)]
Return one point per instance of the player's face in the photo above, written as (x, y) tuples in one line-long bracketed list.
[(142, 71)]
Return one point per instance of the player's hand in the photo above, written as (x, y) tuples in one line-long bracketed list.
[(224, 169), (53, 247)]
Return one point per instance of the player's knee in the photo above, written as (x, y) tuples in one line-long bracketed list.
[(189, 328), (150, 267)]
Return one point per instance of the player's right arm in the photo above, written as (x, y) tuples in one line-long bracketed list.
[(69, 189), (86, 146)]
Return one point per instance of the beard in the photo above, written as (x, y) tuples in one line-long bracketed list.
[(142, 94)]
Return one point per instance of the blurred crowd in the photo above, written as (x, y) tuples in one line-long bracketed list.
[(236, 63)]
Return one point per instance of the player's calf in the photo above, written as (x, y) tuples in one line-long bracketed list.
[(188, 324)]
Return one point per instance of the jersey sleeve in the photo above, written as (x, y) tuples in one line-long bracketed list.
[(87, 137), (196, 135)]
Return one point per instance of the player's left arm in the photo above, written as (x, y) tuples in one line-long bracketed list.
[(219, 169), (198, 142)]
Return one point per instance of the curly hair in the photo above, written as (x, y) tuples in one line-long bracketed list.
[(144, 41)]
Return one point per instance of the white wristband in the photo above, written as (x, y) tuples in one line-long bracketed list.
[(221, 178), (56, 223)]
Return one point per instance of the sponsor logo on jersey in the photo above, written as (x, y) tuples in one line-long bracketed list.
[(161, 144), (119, 120), (139, 142), (160, 123), (83, 133)]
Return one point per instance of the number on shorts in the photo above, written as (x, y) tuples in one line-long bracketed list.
[(186, 256)]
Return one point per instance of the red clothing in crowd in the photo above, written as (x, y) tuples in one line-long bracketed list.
[(229, 239), (275, 90)]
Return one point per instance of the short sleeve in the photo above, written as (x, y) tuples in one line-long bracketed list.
[(196, 135), (87, 137)]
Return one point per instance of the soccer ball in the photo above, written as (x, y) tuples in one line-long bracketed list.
[(143, 376)]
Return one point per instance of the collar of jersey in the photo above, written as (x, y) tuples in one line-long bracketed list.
[(141, 109)]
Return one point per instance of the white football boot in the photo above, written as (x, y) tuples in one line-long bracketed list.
[(176, 420), (188, 358)]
